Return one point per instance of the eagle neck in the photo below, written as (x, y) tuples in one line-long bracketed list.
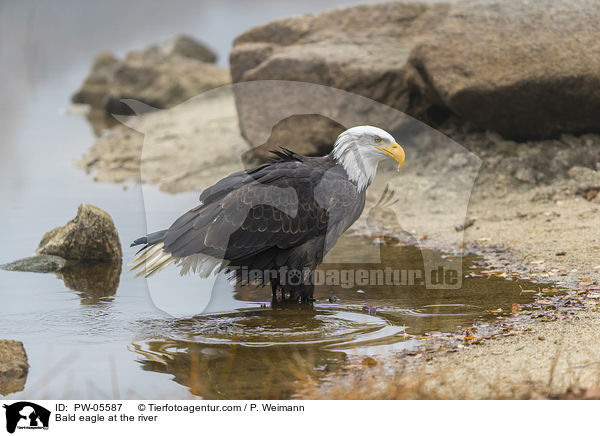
[(360, 167)]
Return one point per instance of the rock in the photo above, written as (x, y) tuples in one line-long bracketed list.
[(159, 82), (584, 176), (13, 366), (458, 161), (468, 223), (190, 48), (91, 235), (524, 69), (526, 175), (309, 135), (362, 49), (13, 358), (160, 76), (94, 88), (40, 264)]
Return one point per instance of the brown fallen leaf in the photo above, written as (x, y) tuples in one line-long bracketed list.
[(514, 308), (369, 361), (590, 194)]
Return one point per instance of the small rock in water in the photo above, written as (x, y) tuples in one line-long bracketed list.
[(91, 235), (44, 263), (13, 366), (333, 299), (13, 358)]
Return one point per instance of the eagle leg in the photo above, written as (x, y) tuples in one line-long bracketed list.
[(302, 293)]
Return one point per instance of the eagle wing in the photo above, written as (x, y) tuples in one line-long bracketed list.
[(282, 204)]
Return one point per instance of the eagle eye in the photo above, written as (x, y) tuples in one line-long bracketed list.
[(378, 139)]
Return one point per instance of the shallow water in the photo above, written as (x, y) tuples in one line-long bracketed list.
[(99, 333), (88, 344)]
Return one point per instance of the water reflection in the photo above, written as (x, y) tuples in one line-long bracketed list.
[(273, 351), (256, 353), (95, 282), (405, 302), (238, 372)]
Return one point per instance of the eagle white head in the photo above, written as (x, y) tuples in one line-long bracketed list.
[(360, 149)]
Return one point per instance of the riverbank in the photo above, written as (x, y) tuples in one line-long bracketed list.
[(537, 360), (541, 232)]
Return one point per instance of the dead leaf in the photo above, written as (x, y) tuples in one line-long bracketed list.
[(369, 361), (590, 194)]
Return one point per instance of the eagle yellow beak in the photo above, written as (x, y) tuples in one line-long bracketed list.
[(395, 152)]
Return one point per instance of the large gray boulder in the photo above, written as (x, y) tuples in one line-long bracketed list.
[(362, 49), (523, 69), (160, 76), (91, 235), (14, 366)]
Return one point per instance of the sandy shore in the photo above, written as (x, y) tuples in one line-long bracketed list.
[(547, 232), (549, 359)]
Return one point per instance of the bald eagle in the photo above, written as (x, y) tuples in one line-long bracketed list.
[(274, 223)]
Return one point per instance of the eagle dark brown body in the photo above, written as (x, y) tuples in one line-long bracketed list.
[(275, 223), (279, 218)]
